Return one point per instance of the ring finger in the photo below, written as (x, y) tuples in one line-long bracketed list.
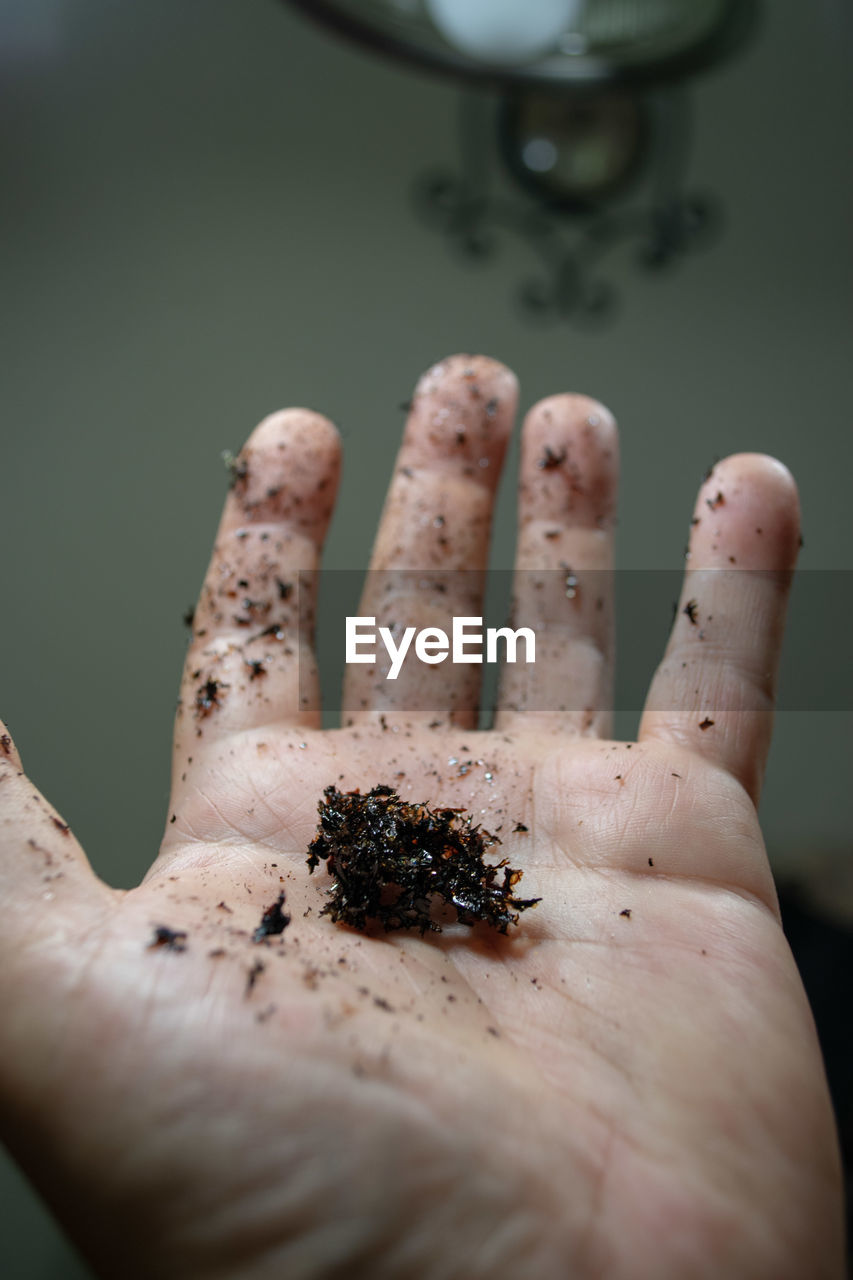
[(562, 586)]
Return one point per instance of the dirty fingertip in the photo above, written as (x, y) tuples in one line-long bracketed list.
[(462, 415), (287, 472), (747, 514), (570, 462)]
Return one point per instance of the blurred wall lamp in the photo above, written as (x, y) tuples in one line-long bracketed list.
[(584, 104)]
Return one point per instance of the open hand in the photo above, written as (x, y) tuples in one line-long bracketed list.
[(625, 1084)]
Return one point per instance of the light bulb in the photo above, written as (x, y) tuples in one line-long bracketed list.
[(503, 31)]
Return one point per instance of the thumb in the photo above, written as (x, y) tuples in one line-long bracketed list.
[(51, 901), (47, 888)]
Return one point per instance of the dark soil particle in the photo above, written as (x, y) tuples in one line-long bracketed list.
[(550, 460), (170, 939), (390, 859), (237, 468), (253, 974), (208, 697), (275, 631), (273, 921)]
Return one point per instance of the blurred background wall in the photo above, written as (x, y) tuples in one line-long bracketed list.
[(207, 215)]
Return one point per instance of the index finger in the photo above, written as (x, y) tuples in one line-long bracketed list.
[(250, 661)]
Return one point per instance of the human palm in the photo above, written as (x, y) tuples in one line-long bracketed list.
[(626, 1084)]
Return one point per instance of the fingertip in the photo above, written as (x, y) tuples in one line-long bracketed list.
[(583, 413), (311, 432), (287, 472), (755, 469), (478, 371), (747, 514), (569, 461), (461, 417)]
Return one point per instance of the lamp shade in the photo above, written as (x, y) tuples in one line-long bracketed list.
[(545, 43)]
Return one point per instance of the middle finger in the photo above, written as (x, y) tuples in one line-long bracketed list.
[(431, 550)]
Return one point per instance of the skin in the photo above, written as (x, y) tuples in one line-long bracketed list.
[(627, 1084)]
